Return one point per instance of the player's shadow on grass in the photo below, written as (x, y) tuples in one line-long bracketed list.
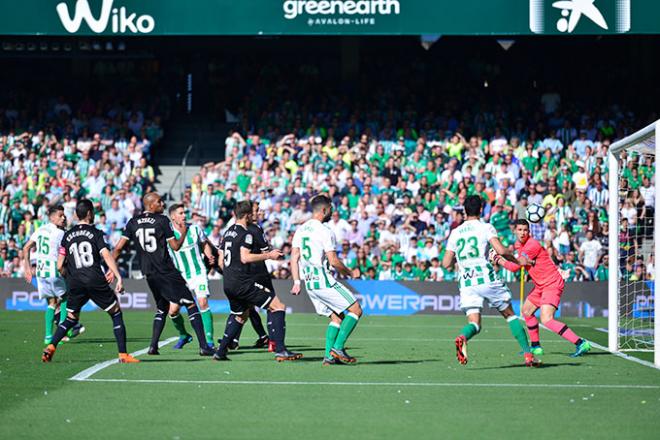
[(545, 365), (153, 359), (397, 362)]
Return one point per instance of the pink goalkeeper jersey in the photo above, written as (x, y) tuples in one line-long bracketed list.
[(543, 272)]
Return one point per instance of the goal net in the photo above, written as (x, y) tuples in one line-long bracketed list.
[(633, 315)]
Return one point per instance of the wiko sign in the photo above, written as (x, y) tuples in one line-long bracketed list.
[(117, 17)]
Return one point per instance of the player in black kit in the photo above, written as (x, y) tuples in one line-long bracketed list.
[(243, 291), (80, 256), (261, 276), (152, 232)]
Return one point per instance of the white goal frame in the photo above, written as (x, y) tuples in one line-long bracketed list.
[(650, 132)]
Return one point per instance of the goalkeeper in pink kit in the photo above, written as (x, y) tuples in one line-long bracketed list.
[(548, 288)]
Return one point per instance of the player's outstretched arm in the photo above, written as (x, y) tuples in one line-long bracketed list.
[(339, 266), (27, 267), (112, 265), (208, 251), (120, 245), (295, 270), (448, 259), (248, 257), (507, 254)]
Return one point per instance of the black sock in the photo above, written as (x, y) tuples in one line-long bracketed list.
[(578, 342), (159, 325), (257, 325), (277, 329), (197, 325), (240, 330), (232, 329), (536, 344), (120, 331), (62, 329)]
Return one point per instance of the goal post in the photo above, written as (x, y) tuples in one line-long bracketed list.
[(634, 316)]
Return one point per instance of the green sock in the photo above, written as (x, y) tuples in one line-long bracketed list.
[(330, 337), (518, 332), (207, 321), (347, 325), (49, 316), (179, 325), (470, 329), (63, 311)]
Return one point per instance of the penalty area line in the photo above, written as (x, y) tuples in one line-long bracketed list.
[(86, 374), (379, 384)]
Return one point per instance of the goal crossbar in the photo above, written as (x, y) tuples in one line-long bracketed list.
[(645, 141)]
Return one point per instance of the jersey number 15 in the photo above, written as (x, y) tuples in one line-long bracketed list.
[(147, 239)]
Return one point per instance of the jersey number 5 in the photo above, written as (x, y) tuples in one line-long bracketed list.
[(227, 253), (147, 239), (307, 251)]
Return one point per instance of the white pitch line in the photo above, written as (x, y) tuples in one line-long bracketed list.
[(627, 357), (382, 384), (86, 374), (621, 355)]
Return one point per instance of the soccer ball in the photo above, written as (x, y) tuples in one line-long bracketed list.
[(535, 213)]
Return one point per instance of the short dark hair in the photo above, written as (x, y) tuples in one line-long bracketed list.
[(521, 221), (55, 208), (319, 202), (84, 208), (473, 205), (242, 209), (174, 207)]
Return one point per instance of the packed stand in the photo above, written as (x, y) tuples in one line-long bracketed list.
[(54, 151), (398, 187)]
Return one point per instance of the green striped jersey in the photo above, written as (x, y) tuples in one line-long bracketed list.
[(188, 259), (470, 243), (47, 239), (314, 239)]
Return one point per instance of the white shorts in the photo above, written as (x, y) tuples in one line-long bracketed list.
[(332, 299), (497, 294), (51, 287), (199, 286)]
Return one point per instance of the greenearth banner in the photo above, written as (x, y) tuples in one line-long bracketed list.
[(329, 17)]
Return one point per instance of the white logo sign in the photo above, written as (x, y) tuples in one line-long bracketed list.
[(566, 15), (573, 10), (122, 21), (295, 8)]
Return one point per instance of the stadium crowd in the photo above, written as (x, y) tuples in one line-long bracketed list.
[(397, 179), (398, 187), (53, 151)]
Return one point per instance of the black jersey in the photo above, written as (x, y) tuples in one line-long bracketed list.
[(235, 272), (259, 246), (81, 247), (150, 233)]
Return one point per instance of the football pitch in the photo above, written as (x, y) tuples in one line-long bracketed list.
[(407, 384)]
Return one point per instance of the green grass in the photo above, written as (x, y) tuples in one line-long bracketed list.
[(397, 352)]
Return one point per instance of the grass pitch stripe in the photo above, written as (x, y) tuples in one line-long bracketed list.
[(385, 384), (86, 374)]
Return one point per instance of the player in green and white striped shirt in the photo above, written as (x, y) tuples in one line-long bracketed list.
[(314, 250), (50, 282), (478, 280), (190, 262)]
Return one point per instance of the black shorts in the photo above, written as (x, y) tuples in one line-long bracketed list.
[(169, 288), (265, 280), (104, 297), (242, 298)]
